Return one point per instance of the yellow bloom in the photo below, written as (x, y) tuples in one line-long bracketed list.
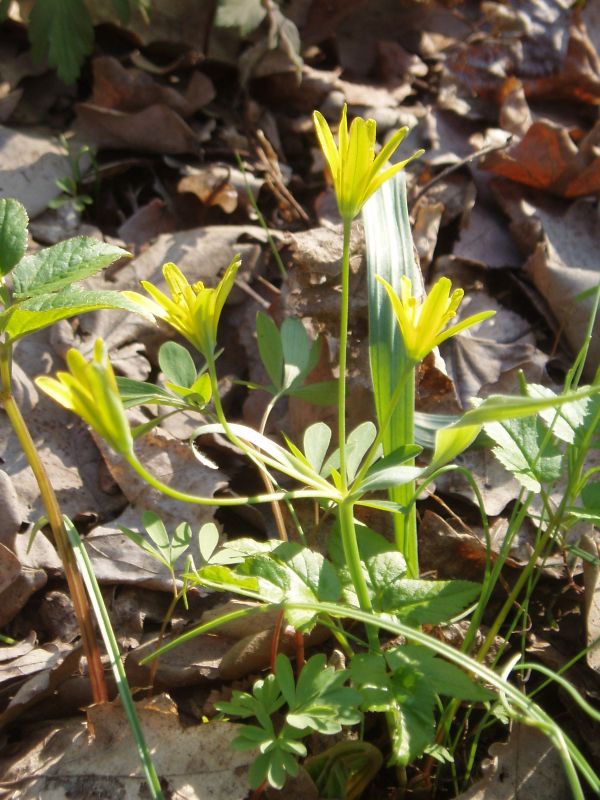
[(423, 324), (193, 309), (90, 390), (357, 173)]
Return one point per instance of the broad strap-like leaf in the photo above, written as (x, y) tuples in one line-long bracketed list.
[(13, 234), (63, 264)]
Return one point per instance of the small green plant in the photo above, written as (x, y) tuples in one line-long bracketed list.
[(70, 185), (416, 684)]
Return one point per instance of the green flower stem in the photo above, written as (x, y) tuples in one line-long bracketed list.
[(345, 513), (344, 308), (55, 520), (265, 477), (164, 488)]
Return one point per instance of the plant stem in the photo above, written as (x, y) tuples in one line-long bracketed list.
[(352, 557), (344, 308), (55, 520)]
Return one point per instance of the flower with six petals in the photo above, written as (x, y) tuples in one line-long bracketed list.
[(357, 173), (193, 309), (90, 390), (423, 323)]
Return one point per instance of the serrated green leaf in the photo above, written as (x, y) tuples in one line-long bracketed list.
[(177, 364), (13, 234), (518, 448), (564, 421), (420, 602), (63, 264), (63, 31), (370, 543), (269, 348), (44, 310)]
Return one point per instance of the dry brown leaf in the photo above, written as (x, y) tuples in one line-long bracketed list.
[(195, 762), (527, 767), (591, 583), (134, 89), (154, 129)]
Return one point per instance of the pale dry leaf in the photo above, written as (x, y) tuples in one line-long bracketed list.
[(29, 168), (591, 583), (527, 767), (195, 762)]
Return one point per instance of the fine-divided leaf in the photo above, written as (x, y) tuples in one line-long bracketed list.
[(519, 445), (46, 309), (208, 540), (177, 364), (63, 264), (13, 234), (389, 471), (319, 701), (63, 31)]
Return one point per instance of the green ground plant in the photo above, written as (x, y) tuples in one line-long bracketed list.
[(416, 682)]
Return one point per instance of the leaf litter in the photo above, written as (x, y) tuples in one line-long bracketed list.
[(504, 200)]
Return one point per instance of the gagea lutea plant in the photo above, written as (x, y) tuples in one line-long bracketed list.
[(417, 680)]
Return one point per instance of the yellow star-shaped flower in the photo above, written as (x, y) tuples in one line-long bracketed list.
[(193, 309), (357, 173), (90, 390), (423, 324)]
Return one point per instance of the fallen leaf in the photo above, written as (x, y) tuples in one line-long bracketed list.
[(527, 766), (29, 168), (195, 762)]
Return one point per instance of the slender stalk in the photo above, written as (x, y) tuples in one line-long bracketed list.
[(116, 663), (344, 308), (55, 520), (353, 562)]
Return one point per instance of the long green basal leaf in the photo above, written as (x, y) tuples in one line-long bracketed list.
[(61, 265), (46, 309), (13, 234), (390, 254), (112, 648)]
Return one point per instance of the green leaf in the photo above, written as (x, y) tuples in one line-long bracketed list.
[(296, 348), (122, 10), (518, 448), (208, 539), (63, 264), (155, 528), (13, 234), (269, 348), (357, 444), (565, 421), (4, 7), (385, 571), (321, 393), (316, 443), (63, 31), (46, 309), (246, 15), (370, 543), (420, 602), (385, 474), (177, 364), (136, 393), (590, 496)]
